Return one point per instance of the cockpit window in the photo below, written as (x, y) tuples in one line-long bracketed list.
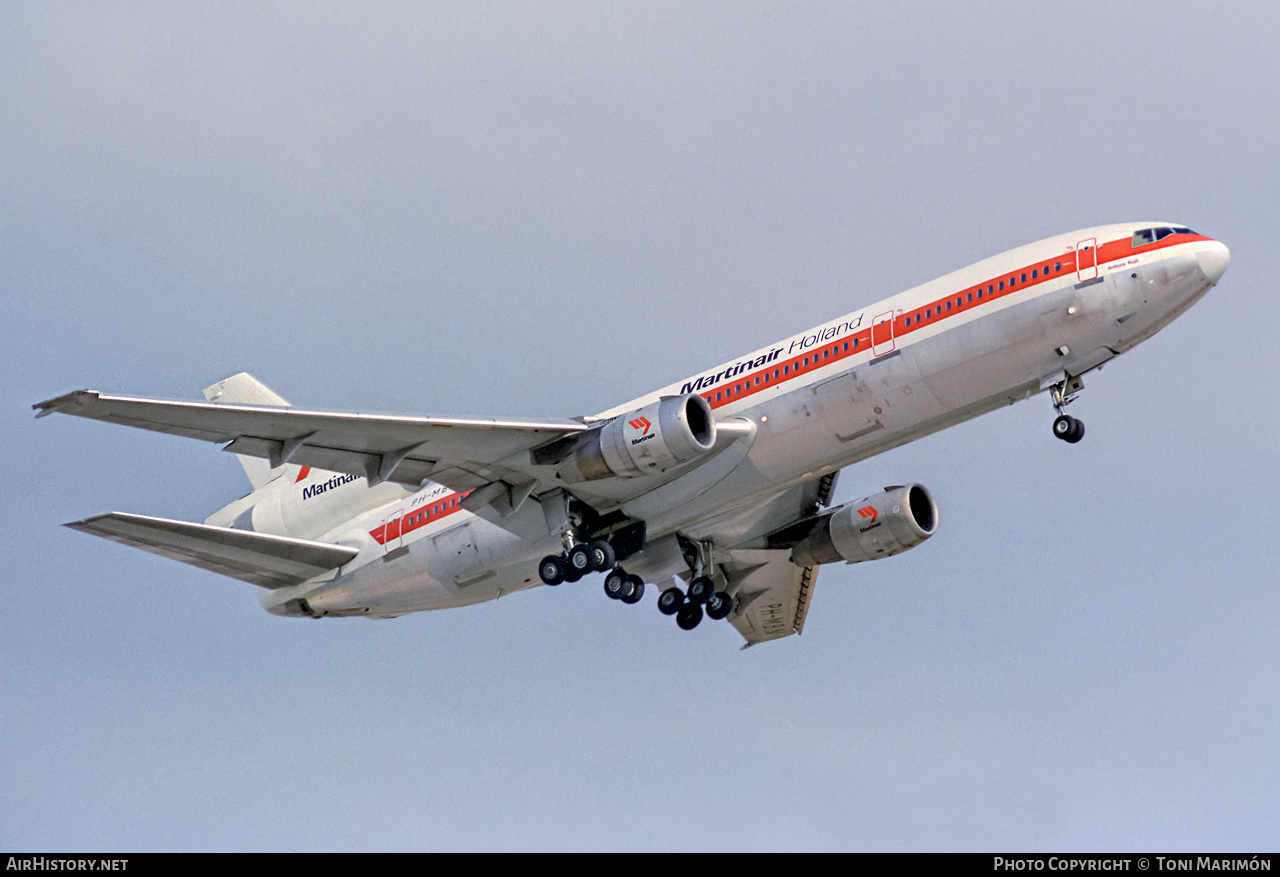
[(1151, 235)]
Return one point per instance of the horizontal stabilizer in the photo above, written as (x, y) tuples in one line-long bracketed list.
[(257, 558)]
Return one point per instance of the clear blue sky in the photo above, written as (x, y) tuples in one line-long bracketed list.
[(546, 209)]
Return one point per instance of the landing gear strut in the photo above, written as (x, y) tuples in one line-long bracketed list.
[(1063, 393)]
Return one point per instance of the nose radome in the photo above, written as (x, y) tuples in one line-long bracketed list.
[(1213, 258)]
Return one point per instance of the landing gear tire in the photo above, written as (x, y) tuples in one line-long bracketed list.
[(670, 601), (689, 616), (1068, 429), (551, 570), (701, 589), (637, 590), (602, 555), (617, 584), (581, 560), (719, 606)]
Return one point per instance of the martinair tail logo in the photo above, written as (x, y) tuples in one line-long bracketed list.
[(869, 512), (640, 423)]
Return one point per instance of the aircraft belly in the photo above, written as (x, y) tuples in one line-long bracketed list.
[(470, 562)]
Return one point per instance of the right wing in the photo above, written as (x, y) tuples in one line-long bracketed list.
[(257, 558), (460, 453)]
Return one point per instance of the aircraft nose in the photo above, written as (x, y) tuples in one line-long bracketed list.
[(1213, 258)]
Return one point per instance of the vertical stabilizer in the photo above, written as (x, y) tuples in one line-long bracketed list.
[(245, 389)]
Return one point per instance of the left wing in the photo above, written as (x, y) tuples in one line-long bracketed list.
[(459, 452), (257, 558)]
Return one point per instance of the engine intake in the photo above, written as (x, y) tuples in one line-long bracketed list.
[(655, 438), (871, 528)]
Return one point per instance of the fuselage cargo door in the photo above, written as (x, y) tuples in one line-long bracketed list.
[(1087, 259), (882, 334)]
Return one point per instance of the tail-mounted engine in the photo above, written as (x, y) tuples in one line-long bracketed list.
[(655, 438), (869, 529)]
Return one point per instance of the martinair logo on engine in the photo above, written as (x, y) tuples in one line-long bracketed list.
[(643, 424), (870, 514)]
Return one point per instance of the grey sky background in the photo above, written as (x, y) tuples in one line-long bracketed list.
[(549, 208)]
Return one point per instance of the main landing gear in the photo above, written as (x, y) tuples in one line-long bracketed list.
[(620, 585), (580, 559), (688, 608), (577, 561), (1063, 393)]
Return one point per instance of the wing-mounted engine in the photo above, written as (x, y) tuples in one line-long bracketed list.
[(652, 439), (871, 528)]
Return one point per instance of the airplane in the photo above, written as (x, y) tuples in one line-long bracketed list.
[(717, 489)]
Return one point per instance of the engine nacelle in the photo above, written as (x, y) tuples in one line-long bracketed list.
[(869, 529), (655, 438)]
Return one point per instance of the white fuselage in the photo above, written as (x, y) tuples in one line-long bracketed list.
[(986, 336)]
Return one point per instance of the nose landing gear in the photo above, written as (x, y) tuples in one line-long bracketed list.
[(1063, 393), (1068, 428)]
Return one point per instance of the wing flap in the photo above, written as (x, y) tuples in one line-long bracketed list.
[(773, 595), (257, 558)]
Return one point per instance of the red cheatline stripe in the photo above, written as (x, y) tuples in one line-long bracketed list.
[(438, 508)]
